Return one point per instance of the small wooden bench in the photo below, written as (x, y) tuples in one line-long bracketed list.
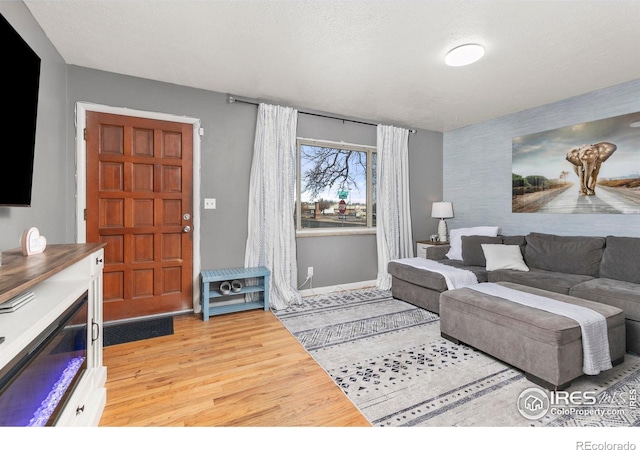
[(215, 302)]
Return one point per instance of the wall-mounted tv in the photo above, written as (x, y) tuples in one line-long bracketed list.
[(21, 80)]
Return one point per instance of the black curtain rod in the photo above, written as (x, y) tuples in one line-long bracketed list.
[(232, 99)]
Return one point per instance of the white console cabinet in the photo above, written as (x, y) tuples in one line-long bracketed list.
[(57, 277)]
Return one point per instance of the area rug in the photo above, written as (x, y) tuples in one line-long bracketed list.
[(389, 359)]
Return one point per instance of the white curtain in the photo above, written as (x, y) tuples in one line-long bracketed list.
[(271, 240), (393, 211)]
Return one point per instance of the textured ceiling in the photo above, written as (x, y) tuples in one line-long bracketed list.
[(375, 60)]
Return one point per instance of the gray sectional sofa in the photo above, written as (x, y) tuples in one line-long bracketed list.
[(600, 269)]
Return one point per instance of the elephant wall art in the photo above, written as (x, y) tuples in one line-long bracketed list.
[(586, 161), (603, 153)]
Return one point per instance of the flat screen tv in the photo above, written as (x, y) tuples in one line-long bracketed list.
[(21, 78)]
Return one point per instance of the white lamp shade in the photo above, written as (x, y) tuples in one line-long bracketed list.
[(442, 210)]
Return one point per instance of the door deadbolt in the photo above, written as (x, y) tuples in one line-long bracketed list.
[(186, 216)]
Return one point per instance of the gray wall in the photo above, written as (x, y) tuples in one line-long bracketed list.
[(477, 167), (53, 164), (425, 181)]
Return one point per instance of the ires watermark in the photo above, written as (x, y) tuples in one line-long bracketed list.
[(534, 403)]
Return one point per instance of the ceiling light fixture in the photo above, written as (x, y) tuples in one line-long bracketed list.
[(464, 54)]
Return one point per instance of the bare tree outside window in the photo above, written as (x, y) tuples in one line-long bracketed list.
[(335, 185), (331, 167)]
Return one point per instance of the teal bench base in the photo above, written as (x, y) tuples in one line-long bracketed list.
[(215, 302)]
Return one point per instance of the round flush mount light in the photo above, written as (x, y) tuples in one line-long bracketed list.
[(464, 54)]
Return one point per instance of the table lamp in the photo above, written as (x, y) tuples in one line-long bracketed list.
[(442, 210)]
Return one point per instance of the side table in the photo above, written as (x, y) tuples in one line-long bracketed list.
[(421, 247)]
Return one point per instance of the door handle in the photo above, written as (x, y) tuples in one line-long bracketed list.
[(186, 229)]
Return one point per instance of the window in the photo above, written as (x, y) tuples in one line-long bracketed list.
[(336, 186)]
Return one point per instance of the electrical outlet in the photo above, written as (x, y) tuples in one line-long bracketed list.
[(309, 271), (209, 203)]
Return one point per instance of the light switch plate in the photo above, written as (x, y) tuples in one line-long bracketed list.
[(209, 203)]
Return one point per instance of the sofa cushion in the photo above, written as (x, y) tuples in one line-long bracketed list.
[(620, 259), (621, 294), (541, 279), (515, 240), (579, 255), (455, 238), (472, 253), (437, 252)]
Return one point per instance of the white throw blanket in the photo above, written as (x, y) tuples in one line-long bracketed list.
[(595, 339), (455, 277)]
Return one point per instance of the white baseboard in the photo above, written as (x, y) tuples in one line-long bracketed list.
[(336, 288)]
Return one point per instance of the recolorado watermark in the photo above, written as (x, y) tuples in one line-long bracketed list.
[(588, 445), (534, 403)]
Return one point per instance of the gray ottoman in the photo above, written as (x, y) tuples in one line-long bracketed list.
[(546, 346)]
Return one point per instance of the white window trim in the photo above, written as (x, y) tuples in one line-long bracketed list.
[(315, 232), (337, 231)]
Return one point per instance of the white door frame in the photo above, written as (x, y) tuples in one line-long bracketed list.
[(81, 110)]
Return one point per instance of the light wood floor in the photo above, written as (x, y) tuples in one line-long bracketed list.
[(240, 369)]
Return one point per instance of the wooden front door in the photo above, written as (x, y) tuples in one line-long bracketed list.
[(140, 203)]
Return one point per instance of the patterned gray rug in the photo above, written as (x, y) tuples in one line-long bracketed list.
[(389, 359)]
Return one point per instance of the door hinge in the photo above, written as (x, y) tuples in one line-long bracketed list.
[(85, 134), (85, 214)]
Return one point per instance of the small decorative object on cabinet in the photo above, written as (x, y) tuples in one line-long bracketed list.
[(217, 298), (32, 242), (421, 247)]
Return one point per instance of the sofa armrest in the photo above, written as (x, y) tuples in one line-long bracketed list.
[(437, 251)]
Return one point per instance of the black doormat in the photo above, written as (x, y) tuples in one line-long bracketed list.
[(137, 330)]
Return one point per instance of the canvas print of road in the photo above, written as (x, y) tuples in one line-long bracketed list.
[(588, 168)]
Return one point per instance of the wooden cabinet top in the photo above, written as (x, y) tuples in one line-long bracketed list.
[(18, 272)]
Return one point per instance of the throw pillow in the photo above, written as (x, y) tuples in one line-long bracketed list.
[(455, 239), (500, 256), (472, 253), (620, 259)]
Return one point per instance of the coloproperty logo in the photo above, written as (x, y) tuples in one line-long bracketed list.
[(533, 403)]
